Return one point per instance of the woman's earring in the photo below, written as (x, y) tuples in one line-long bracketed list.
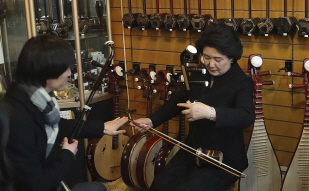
[(202, 60)]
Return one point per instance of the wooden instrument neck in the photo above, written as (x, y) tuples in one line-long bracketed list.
[(185, 7), (171, 7), (144, 6), (199, 7), (157, 6)]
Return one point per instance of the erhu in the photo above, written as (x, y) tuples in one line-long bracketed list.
[(79, 123), (211, 156)]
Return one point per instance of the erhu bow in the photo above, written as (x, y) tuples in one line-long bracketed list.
[(78, 126)]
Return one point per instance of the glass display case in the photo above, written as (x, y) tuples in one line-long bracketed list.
[(27, 18)]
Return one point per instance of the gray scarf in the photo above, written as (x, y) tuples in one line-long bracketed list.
[(48, 105)]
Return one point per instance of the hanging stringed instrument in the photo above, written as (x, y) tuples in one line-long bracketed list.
[(168, 150), (199, 21), (130, 19), (303, 24), (143, 21), (285, 25), (214, 20), (136, 141), (104, 154), (249, 25), (60, 28), (297, 174), (264, 169), (170, 22), (156, 19), (149, 151), (266, 25), (184, 20), (232, 22)]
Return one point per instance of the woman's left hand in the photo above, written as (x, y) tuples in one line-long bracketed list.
[(195, 110), (111, 127)]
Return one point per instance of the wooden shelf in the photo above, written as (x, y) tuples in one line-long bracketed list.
[(69, 103)]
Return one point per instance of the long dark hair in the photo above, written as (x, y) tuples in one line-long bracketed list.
[(6, 171)]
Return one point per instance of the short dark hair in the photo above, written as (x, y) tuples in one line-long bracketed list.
[(223, 38), (43, 57)]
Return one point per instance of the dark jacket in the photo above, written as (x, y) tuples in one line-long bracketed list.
[(232, 97), (27, 144)]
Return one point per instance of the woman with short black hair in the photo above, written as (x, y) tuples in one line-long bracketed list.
[(35, 124), (217, 117), (43, 57)]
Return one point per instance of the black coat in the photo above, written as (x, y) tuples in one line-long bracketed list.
[(232, 97), (28, 141)]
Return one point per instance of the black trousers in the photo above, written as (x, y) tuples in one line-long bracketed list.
[(182, 174)]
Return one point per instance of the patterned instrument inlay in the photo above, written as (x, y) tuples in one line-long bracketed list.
[(259, 149), (303, 148)]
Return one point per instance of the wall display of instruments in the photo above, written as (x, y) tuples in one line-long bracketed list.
[(129, 19), (266, 25), (263, 170), (170, 22), (285, 25), (58, 19), (143, 21), (232, 22), (249, 25), (198, 22), (168, 150), (303, 23), (131, 151), (149, 151), (184, 20), (214, 19), (104, 154), (297, 174), (156, 19)]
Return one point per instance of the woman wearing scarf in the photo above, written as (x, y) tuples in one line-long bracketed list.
[(43, 67)]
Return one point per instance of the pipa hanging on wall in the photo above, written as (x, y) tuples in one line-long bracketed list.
[(263, 171), (297, 174)]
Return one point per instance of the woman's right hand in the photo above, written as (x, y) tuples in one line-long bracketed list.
[(145, 122), (71, 147)]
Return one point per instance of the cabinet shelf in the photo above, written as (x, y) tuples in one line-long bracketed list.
[(69, 103)]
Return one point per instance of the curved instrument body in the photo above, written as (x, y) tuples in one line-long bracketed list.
[(103, 160), (146, 161), (136, 142), (263, 170), (164, 80), (165, 154), (129, 159), (297, 175)]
